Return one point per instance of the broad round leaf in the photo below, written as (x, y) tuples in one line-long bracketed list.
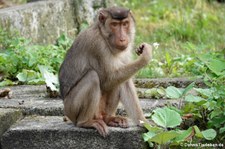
[(166, 117), (173, 92), (148, 135), (209, 134), (192, 98), (183, 135), (164, 137)]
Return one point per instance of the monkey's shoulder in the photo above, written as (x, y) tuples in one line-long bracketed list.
[(87, 40)]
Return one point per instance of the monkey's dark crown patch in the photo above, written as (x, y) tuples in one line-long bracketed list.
[(118, 13)]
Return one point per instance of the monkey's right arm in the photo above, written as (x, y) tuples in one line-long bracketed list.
[(124, 73)]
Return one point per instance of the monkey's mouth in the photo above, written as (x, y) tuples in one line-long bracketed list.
[(121, 47)]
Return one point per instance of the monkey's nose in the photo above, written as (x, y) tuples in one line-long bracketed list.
[(122, 40)]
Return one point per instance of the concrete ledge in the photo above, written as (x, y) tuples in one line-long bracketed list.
[(49, 107), (7, 118), (165, 82), (37, 106), (42, 21), (52, 133), (32, 100)]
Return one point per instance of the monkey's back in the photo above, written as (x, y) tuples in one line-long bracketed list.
[(77, 60)]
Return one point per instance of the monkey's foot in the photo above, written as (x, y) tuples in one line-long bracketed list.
[(97, 124), (116, 121)]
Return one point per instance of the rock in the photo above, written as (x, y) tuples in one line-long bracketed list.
[(165, 82), (52, 133), (8, 117), (44, 21)]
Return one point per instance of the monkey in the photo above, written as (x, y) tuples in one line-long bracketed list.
[(96, 73)]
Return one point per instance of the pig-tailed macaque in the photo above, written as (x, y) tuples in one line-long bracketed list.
[(97, 72)]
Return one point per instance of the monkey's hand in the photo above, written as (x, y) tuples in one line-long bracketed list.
[(145, 52)]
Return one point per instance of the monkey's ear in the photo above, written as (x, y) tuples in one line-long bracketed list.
[(102, 16), (132, 16)]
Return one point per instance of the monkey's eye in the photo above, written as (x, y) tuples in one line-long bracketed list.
[(114, 24), (125, 24)]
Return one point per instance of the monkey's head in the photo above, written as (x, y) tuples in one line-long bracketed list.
[(117, 26)]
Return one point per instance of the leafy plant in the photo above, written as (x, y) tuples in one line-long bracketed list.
[(20, 61), (202, 110), (51, 80), (165, 133)]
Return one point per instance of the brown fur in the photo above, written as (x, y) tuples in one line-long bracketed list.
[(96, 75)]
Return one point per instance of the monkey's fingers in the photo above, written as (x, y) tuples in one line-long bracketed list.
[(137, 52), (113, 124), (124, 123), (101, 128), (118, 122), (140, 49)]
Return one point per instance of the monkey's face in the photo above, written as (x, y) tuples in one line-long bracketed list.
[(119, 37), (117, 26)]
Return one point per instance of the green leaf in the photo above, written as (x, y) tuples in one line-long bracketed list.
[(164, 137), (188, 88), (168, 59), (205, 92), (51, 80), (209, 134), (222, 130), (173, 92), (148, 135), (6, 82), (198, 133), (166, 117), (183, 135), (151, 92), (27, 75), (161, 91), (152, 128), (22, 77), (192, 98), (216, 66), (38, 81)]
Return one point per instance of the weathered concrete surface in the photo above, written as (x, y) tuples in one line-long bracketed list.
[(44, 21), (47, 106), (8, 117), (165, 82), (28, 91), (52, 133), (38, 106), (31, 99)]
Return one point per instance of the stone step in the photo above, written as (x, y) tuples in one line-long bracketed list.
[(40, 132), (49, 107), (31, 99), (47, 129), (165, 82), (8, 117), (28, 91), (34, 91)]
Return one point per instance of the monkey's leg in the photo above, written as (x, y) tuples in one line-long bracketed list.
[(129, 98), (82, 103), (112, 100)]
